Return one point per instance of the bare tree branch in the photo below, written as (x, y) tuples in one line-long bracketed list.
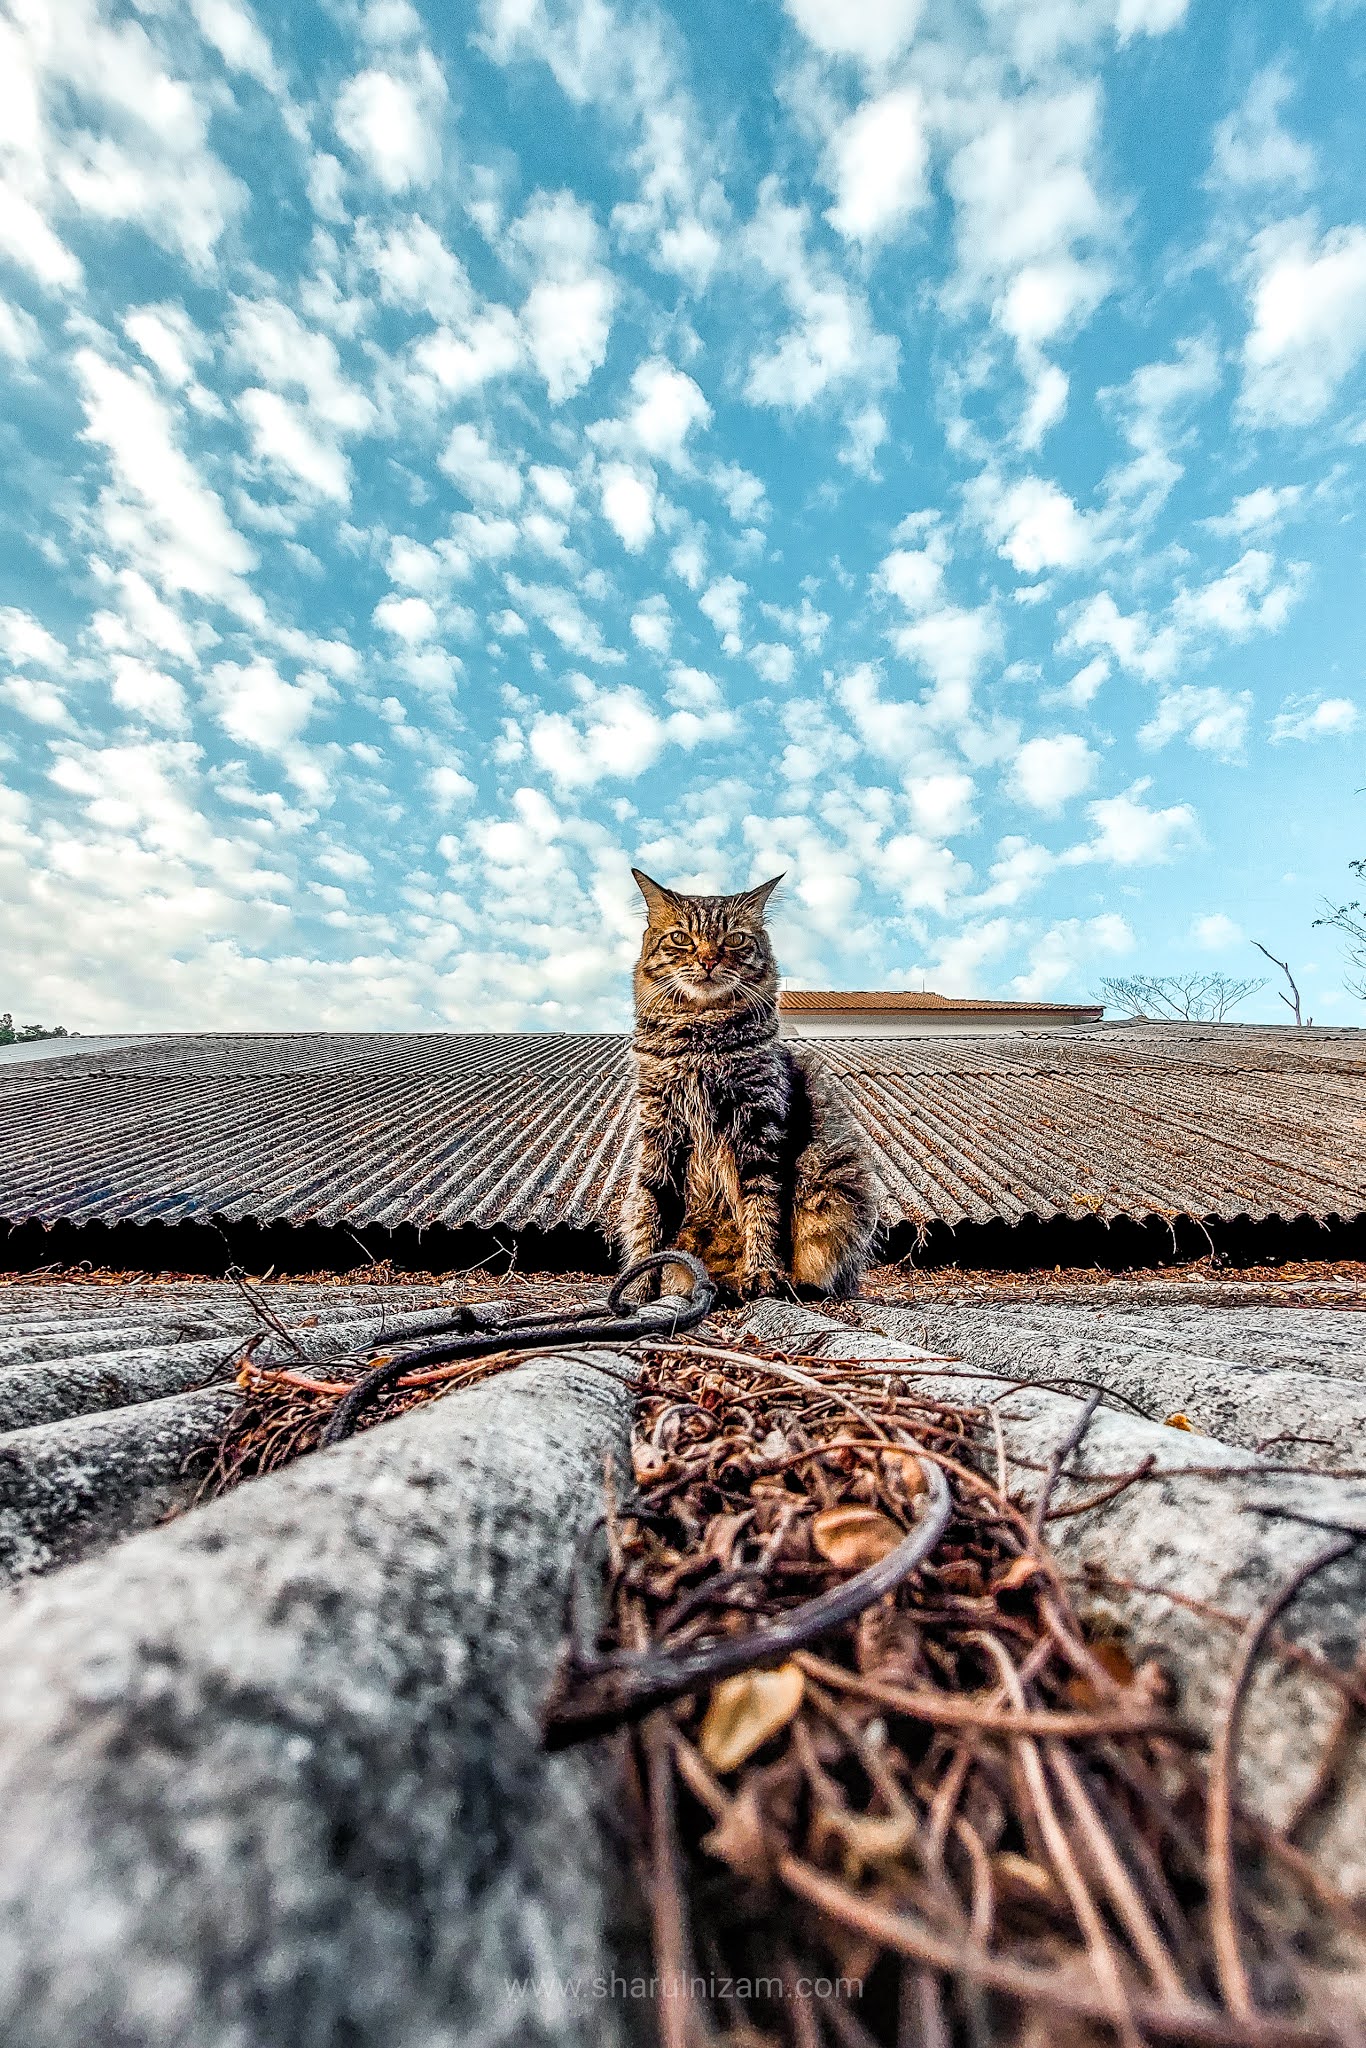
[(1350, 918), (1284, 965), (1194, 998)]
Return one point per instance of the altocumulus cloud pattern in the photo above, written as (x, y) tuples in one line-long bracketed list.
[(450, 453)]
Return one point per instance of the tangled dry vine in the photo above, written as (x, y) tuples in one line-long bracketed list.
[(953, 1817)]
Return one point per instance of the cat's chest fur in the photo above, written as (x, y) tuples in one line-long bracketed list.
[(698, 1091)]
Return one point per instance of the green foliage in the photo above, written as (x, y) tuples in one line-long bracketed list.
[(24, 1033)]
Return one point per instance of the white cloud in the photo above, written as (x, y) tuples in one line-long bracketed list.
[(1216, 933), (415, 268), (149, 693), (1259, 511), (1129, 636), (873, 32), (1018, 869), (1310, 718), (1034, 524), (832, 342), (877, 167), (625, 65), (485, 477), (393, 123), (616, 734), (652, 624), (1247, 598), (1084, 684), (449, 785), (1049, 771), (408, 619), (1308, 331), (238, 40), (95, 123), (488, 345), (688, 561), (169, 339), (942, 802), (801, 622), (285, 437), (888, 726), (555, 487), (567, 314), (958, 961), (1059, 959), (774, 662), (36, 698), (256, 706), (26, 640), (1211, 718), (952, 646), (1148, 17), (158, 510), (1153, 406), (628, 503), (665, 406), (288, 356), (743, 492), (865, 432), (721, 603), (1032, 233), (20, 337), (1129, 833), (1251, 147), (562, 615)]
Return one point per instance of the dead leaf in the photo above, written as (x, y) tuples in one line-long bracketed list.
[(649, 1464), (1180, 1421), (870, 1839), (745, 1711), (1116, 1660), (738, 1838), (854, 1537), (1024, 1879)]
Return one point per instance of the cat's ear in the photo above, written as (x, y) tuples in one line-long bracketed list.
[(754, 900), (657, 897)]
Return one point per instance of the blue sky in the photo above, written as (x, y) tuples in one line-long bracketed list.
[(452, 455)]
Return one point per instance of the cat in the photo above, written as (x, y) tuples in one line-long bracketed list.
[(742, 1157)]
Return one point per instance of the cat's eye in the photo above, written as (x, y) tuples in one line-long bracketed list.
[(676, 941), (739, 943)]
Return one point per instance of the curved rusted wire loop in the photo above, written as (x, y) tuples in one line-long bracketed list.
[(610, 1321), (588, 1698)]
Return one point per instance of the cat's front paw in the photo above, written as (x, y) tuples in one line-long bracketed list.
[(755, 1286)]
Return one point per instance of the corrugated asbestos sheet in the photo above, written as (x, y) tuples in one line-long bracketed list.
[(510, 1130)]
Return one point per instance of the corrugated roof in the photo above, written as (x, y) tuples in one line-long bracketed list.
[(452, 1129), (925, 999)]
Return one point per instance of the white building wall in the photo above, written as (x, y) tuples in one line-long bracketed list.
[(917, 1024)]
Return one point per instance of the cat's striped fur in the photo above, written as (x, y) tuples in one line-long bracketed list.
[(742, 1155)]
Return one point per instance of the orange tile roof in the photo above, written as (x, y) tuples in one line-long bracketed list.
[(925, 999)]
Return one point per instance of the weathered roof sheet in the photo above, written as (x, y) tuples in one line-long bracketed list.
[(900, 1001), (452, 1129)]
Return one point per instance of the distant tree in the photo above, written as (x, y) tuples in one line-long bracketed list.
[(1350, 919), (10, 1036), (1291, 1001), (1195, 998)]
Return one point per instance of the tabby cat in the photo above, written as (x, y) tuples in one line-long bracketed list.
[(742, 1156)]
